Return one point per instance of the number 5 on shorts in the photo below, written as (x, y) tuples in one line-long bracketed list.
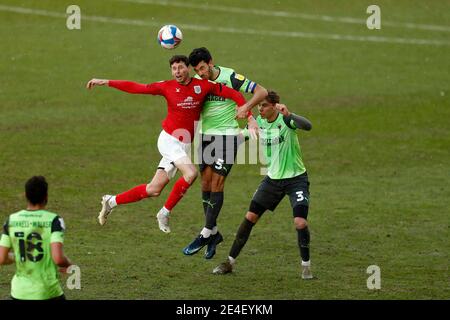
[(219, 164)]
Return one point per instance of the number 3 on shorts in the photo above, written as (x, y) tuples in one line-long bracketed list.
[(300, 196)]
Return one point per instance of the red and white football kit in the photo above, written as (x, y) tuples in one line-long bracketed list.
[(184, 105)]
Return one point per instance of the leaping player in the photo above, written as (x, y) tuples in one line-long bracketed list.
[(185, 97)]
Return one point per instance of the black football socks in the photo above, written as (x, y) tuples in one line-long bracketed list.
[(214, 206), (205, 200), (303, 243), (241, 237)]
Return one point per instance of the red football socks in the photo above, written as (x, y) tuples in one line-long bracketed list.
[(136, 194), (179, 189)]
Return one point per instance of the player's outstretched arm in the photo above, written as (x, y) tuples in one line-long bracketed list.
[(96, 82), (128, 86), (299, 121)]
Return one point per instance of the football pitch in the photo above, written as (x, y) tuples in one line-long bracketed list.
[(377, 157)]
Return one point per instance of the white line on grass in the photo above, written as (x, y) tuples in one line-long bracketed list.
[(286, 14), (291, 34)]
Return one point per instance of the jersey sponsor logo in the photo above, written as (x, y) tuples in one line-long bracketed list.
[(189, 103), (210, 97), (213, 98), (272, 141), (239, 77), (197, 89)]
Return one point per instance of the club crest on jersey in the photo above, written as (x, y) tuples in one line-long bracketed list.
[(177, 89), (197, 89)]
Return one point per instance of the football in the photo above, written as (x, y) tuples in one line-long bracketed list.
[(169, 36)]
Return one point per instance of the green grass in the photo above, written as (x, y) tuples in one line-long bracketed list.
[(378, 155)]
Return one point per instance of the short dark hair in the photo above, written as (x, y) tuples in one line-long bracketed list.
[(36, 190), (198, 55), (179, 58), (272, 97)]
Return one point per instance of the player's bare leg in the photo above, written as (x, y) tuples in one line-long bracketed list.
[(303, 242), (153, 189), (158, 183), (180, 187), (188, 170)]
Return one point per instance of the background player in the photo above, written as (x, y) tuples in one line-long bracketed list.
[(33, 239), (286, 176), (219, 142), (185, 97)]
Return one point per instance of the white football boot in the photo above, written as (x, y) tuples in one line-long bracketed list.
[(106, 209), (163, 221)]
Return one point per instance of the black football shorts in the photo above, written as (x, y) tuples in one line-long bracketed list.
[(219, 152), (270, 192)]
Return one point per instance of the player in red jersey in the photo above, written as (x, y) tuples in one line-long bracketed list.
[(185, 97)]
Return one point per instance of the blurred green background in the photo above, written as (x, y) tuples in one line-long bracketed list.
[(377, 157)]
